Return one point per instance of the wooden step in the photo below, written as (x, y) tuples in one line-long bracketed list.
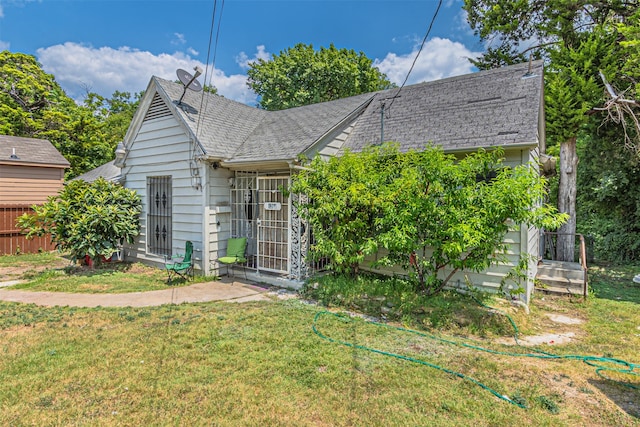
[(559, 290), (560, 272), (559, 281)]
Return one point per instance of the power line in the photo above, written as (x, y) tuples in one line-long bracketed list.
[(424, 40), (215, 50)]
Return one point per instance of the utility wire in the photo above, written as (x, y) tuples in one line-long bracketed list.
[(213, 64), (424, 40)]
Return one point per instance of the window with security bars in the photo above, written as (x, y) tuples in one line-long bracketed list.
[(159, 215)]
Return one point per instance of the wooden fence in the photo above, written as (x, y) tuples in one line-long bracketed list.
[(12, 240)]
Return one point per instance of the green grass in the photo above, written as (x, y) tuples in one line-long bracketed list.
[(261, 363), (394, 299), (39, 258), (116, 277), (615, 282)]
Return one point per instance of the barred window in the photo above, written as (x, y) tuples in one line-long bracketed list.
[(159, 215)]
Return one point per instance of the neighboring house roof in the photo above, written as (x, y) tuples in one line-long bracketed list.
[(107, 171), (500, 107), (30, 151)]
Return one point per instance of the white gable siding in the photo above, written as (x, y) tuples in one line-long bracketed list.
[(162, 148), (335, 145)]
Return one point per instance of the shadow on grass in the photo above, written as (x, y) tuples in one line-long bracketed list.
[(103, 268), (615, 282), (394, 299), (625, 398)]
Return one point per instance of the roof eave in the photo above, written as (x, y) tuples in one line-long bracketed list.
[(41, 165), (507, 146), (271, 164)]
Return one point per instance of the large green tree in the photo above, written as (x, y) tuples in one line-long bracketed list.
[(609, 200), (28, 97), (426, 211), (114, 117), (577, 39), (32, 104), (302, 75)]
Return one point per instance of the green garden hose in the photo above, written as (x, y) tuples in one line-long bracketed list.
[(602, 364)]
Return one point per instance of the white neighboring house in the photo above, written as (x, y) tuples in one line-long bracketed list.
[(210, 168)]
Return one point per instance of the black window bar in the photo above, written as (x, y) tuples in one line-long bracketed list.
[(159, 215)]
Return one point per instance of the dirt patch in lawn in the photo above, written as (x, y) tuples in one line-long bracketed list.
[(18, 270)]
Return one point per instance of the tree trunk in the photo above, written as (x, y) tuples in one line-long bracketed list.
[(567, 199)]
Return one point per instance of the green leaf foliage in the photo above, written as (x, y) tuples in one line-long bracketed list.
[(630, 31), (608, 208), (302, 75), (33, 105), (427, 211), (578, 40), (87, 218)]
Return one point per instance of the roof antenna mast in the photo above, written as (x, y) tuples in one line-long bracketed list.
[(189, 81)]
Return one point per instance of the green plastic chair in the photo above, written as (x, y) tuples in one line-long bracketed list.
[(236, 247), (183, 268)]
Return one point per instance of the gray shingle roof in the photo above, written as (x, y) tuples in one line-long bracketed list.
[(285, 134), (490, 108), (30, 150), (107, 171), (224, 124)]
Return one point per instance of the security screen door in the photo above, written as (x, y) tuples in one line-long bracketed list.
[(273, 224)]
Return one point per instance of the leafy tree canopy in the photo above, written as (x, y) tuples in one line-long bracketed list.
[(87, 218), (27, 95), (302, 75), (32, 104), (578, 40), (609, 203), (429, 211)]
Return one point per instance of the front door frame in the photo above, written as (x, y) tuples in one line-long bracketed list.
[(274, 224)]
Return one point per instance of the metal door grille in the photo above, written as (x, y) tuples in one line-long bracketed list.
[(273, 224), (159, 215), (244, 212)]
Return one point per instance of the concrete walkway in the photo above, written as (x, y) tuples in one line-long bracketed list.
[(199, 292)]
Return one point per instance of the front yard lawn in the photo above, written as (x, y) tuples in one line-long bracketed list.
[(53, 273), (261, 363)]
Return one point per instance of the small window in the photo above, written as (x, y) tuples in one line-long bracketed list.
[(159, 215)]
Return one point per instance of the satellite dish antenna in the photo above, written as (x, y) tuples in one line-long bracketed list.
[(189, 81)]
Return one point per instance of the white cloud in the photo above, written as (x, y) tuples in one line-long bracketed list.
[(104, 70), (79, 68), (4, 45), (233, 87), (192, 51), (462, 25), (179, 39), (439, 58), (1, 12), (244, 61)]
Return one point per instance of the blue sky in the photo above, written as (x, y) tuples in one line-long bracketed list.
[(108, 45)]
